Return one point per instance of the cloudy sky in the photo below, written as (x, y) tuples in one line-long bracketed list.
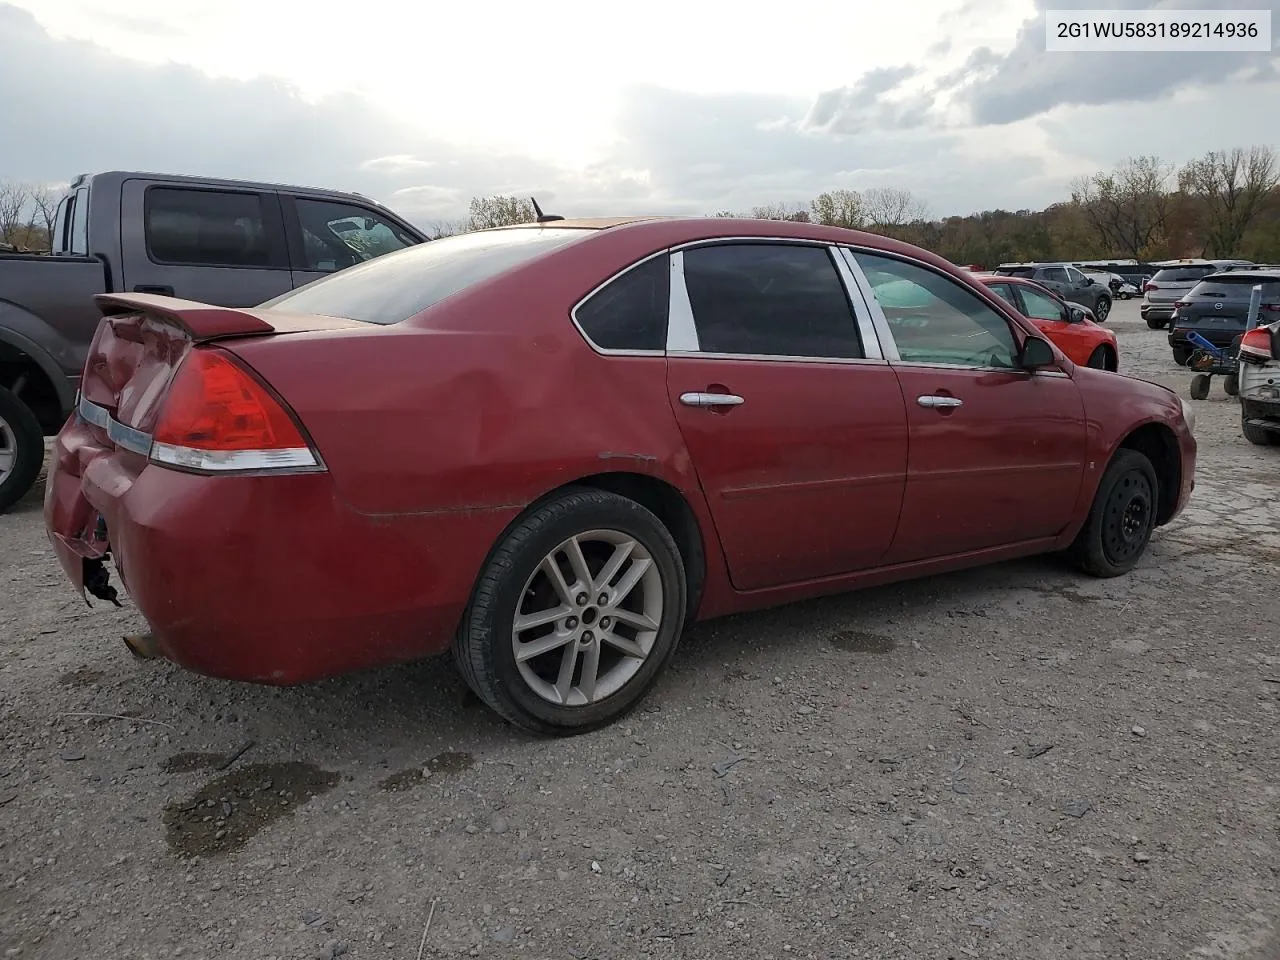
[(662, 107)]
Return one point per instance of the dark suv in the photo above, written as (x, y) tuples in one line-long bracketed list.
[(1217, 308), (1067, 282)]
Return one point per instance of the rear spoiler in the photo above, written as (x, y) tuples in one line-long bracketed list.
[(200, 321)]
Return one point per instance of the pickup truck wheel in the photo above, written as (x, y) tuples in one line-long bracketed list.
[(21, 449), (576, 614), (1115, 536), (1102, 310)]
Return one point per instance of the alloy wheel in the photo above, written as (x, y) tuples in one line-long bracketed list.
[(587, 618), (8, 449)]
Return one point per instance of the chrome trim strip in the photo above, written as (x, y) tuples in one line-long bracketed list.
[(130, 438), (888, 345), (850, 361), (91, 412), (609, 351), (857, 306), (682, 333)]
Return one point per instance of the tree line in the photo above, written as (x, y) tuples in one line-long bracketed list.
[(1223, 204)]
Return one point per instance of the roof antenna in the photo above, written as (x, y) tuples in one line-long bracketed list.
[(543, 217)]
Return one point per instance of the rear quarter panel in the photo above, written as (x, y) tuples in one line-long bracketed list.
[(490, 399)]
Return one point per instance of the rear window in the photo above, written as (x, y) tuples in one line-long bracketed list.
[(1182, 274), (398, 285), (1236, 287)]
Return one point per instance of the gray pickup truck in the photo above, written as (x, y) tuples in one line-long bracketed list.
[(226, 242)]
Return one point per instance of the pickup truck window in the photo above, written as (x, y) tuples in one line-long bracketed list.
[(211, 228), (339, 235), (58, 242), (79, 244)]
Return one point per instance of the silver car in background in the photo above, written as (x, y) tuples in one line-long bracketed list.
[(1172, 281)]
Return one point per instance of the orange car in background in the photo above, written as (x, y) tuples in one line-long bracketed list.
[(1069, 325)]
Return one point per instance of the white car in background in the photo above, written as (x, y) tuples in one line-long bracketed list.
[(1259, 385)]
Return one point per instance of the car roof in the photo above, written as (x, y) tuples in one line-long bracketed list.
[(670, 231)]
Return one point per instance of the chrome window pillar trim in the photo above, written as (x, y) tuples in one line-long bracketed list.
[(778, 358), (871, 349), (682, 332), (884, 334)]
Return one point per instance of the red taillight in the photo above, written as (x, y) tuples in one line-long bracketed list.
[(1256, 345), (1271, 307), (1180, 303), (217, 416), (1148, 285)]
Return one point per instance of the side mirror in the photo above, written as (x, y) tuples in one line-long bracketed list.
[(1036, 353), (1088, 281), (1075, 315)]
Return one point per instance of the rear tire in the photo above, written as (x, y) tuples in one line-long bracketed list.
[(21, 449), (1257, 435), (1156, 324), (1121, 519), (1102, 310), (1181, 355), (595, 659)]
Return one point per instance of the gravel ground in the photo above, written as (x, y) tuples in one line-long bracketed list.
[(1012, 762)]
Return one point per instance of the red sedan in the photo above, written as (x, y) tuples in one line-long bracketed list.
[(551, 447), (1068, 325)]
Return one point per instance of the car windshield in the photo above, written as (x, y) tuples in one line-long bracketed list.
[(1182, 274), (398, 285)]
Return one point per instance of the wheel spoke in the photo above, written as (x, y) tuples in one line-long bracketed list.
[(540, 618), (590, 671), (610, 570), (564, 682), (7, 458), (573, 550), (638, 620), (536, 648), (623, 645), (552, 570), (629, 579)]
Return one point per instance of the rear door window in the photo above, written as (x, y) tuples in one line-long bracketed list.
[(1055, 274), (209, 228), (397, 286), (770, 299)]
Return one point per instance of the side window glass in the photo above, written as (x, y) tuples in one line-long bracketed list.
[(1005, 293), (1041, 307), (209, 228), (936, 320), (58, 242), (1055, 274), (770, 299), (79, 238), (339, 235), (630, 313), (1075, 275)]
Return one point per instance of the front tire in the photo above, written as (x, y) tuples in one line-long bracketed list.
[(1122, 518), (1101, 359), (21, 449), (1102, 310), (576, 614)]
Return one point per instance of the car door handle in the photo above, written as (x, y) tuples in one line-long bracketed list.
[(710, 400), (164, 291), (936, 402)]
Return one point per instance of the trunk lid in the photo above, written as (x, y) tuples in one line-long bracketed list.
[(143, 338)]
